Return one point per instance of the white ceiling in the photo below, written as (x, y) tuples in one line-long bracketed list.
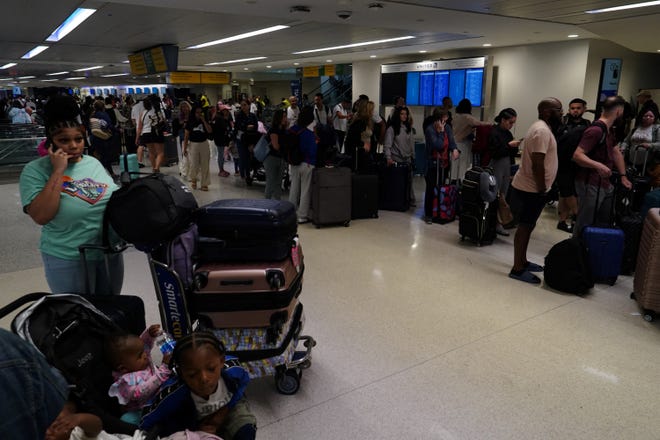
[(121, 27)]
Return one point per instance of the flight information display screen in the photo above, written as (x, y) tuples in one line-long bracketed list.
[(428, 87)]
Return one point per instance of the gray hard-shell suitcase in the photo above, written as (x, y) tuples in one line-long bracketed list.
[(331, 196)]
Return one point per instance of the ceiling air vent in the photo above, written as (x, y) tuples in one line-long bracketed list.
[(300, 10)]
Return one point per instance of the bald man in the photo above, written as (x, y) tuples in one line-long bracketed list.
[(538, 169)]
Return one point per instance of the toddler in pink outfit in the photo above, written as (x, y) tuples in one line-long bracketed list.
[(137, 379)]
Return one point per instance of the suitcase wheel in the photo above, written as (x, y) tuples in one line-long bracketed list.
[(347, 224), (275, 279), (649, 316), (287, 382)]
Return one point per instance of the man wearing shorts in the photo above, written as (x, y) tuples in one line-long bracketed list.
[(538, 169)]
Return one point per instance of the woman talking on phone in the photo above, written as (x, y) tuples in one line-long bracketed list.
[(66, 193)]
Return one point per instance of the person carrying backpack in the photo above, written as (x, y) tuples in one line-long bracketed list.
[(597, 155)]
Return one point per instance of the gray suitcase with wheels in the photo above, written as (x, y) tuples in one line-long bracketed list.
[(331, 196)]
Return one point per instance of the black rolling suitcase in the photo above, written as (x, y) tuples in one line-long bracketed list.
[(331, 196), (478, 219), (171, 150), (246, 230), (394, 187), (364, 194)]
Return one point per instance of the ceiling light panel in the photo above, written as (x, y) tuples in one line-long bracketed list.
[(348, 46), (240, 36), (7, 66), (623, 7), (72, 22), (88, 68), (242, 60), (34, 52), (57, 73)]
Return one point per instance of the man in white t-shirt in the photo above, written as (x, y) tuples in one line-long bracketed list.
[(342, 115), (293, 111)]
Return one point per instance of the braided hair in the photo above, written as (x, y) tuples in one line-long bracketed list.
[(194, 341)]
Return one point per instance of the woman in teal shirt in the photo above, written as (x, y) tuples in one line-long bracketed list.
[(66, 192)]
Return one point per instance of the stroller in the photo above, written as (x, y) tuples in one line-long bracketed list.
[(69, 330)]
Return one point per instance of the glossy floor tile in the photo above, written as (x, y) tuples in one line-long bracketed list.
[(422, 336)]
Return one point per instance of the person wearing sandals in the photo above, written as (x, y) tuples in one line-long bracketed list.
[(538, 169), (196, 147)]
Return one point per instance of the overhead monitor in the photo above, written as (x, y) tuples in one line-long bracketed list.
[(427, 82)]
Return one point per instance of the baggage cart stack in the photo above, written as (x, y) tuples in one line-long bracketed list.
[(247, 280)]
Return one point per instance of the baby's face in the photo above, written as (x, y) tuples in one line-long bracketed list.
[(200, 370), (133, 357)]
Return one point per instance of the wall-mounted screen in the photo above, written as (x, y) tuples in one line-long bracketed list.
[(456, 85), (474, 79), (441, 87), (412, 88), (427, 82)]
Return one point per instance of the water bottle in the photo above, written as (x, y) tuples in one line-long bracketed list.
[(165, 343)]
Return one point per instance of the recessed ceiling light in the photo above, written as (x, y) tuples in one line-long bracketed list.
[(240, 36), (269, 67), (26, 77), (372, 56), (88, 68), (74, 78), (6, 79), (34, 52), (49, 80), (486, 45), (422, 51), (573, 36), (57, 73), (224, 70), (235, 61), (622, 7), (72, 22), (125, 62), (115, 74), (7, 66), (245, 68), (296, 64), (346, 46)]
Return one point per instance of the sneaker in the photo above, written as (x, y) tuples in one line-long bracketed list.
[(204, 188), (525, 276), (302, 220), (499, 229), (141, 165), (224, 173), (563, 226), (428, 220)]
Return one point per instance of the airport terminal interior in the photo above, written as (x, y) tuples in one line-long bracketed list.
[(421, 335)]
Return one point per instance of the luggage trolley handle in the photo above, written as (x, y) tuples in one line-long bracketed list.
[(617, 178), (646, 159)]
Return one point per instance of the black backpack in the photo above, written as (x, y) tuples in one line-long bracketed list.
[(151, 210), (70, 332), (567, 267)]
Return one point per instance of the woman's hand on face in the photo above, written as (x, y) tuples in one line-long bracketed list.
[(58, 158), (440, 125)]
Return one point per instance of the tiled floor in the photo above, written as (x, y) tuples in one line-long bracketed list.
[(421, 336)]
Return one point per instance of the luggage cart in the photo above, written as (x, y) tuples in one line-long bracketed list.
[(252, 346)]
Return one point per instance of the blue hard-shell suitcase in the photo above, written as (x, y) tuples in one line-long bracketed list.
[(605, 251), (246, 230)]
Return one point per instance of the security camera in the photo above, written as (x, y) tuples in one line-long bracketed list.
[(344, 15)]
